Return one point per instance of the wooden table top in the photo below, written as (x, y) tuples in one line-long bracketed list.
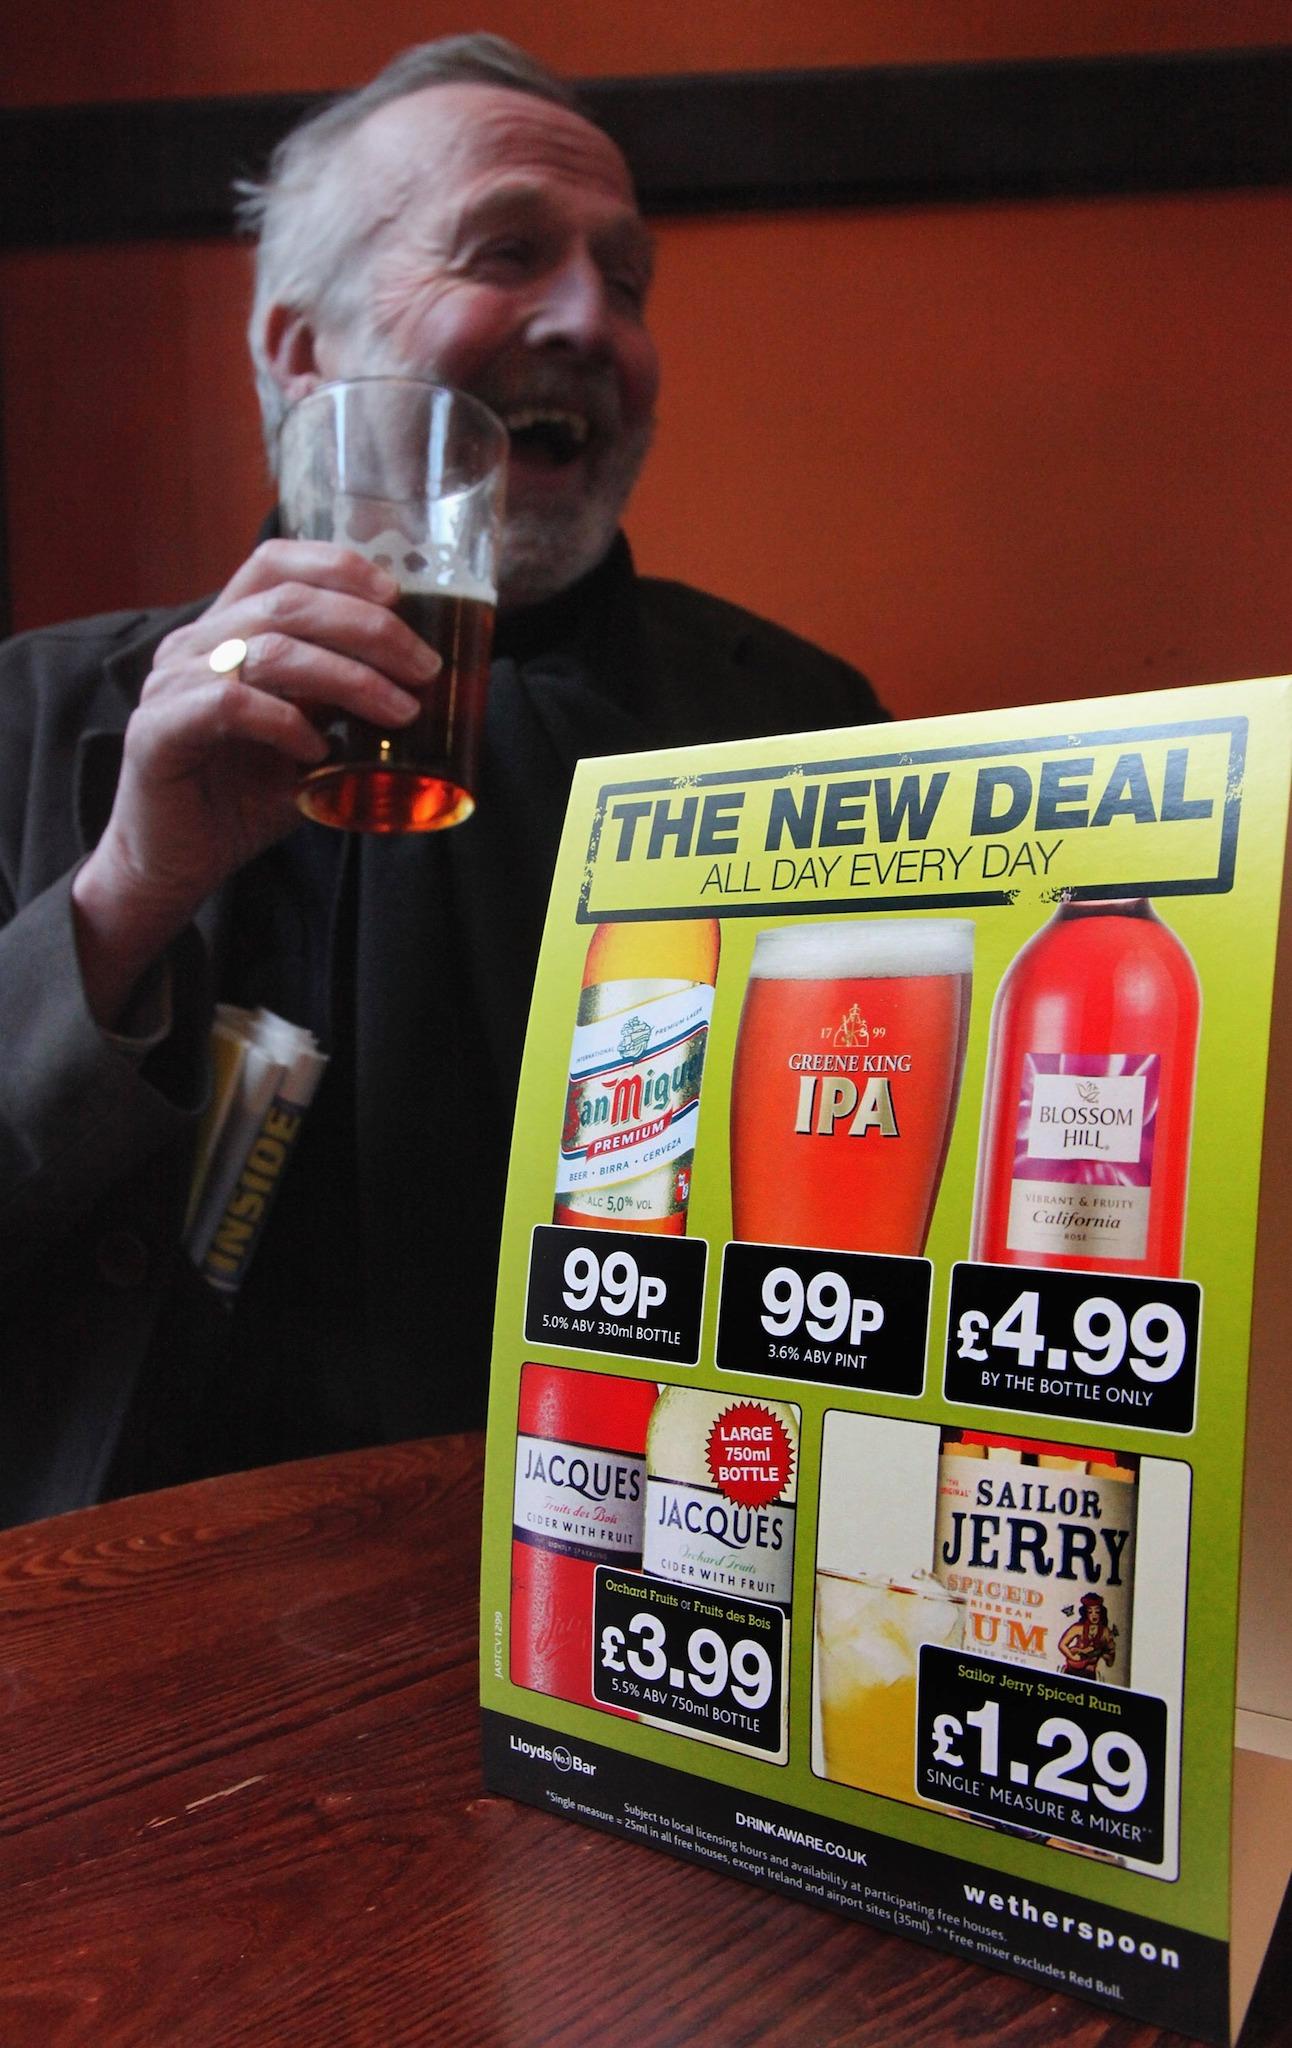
[(241, 1802)]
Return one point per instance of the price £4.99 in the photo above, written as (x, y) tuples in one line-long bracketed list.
[(1154, 1343), (1053, 1342)]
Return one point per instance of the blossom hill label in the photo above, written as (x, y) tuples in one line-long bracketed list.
[(1084, 1155), (636, 1064), (579, 1500), (1040, 1540)]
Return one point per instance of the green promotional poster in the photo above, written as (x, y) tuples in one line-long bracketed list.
[(870, 1378)]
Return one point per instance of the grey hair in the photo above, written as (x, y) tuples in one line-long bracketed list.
[(304, 214)]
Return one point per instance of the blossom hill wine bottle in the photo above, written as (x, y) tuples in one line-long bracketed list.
[(1084, 1155), (580, 1498), (631, 1107)]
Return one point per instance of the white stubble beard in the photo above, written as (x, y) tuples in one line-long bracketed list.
[(546, 548)]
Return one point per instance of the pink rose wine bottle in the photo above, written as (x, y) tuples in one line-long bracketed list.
[(1084, 1154)]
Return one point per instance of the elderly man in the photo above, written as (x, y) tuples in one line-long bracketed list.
[(457, 219)]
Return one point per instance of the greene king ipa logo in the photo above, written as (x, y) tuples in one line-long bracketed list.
[(846, 1080)]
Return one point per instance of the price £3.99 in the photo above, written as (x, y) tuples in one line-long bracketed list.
[(709, 1665)]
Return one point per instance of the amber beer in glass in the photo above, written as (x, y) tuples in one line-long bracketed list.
[(411, 475), (846, 1079)]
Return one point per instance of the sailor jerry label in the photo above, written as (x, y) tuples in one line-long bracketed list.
[(1083, 1156), (697, 1537), (1044, 1556), (578, 1501), (634, 1092)]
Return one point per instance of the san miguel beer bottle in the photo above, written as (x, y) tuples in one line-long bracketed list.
[(580, 1500), (636, 1064), (1084, 1156)]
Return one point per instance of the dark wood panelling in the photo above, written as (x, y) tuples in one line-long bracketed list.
[(877, 136)]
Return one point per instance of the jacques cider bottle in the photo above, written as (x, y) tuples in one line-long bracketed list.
[(1084, 1153), (724, 1527), (636, 1064), (580, 1501)]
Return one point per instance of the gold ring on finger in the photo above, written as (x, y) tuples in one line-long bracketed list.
[(228, 657)]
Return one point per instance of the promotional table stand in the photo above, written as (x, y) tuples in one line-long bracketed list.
[(887, 1393)]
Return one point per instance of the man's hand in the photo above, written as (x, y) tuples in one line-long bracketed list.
[(211, 762)]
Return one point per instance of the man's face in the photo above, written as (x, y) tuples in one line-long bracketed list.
[(510, 261)]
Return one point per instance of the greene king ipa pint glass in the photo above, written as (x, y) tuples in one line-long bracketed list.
[(846, 1079), (412, 476)]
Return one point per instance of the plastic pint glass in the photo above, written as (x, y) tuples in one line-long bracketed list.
[(868, 1637), (411, 475), (846, 1078)]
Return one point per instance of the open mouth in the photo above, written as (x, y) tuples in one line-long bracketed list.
[(554, 438)]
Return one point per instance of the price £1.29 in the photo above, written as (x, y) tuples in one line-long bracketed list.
[(1035, 1750)]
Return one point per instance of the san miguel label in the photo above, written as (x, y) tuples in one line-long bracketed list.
[(634, 1089), (636, 1066)]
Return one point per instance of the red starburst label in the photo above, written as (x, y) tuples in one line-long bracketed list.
[(751, 1458)]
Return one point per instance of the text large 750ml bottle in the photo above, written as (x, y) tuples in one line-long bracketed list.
[(1084, 1156), (580, 1501)]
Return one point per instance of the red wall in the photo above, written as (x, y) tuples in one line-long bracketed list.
[(992, 453)]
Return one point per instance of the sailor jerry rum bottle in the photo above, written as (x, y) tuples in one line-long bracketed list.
[(1039, 1538), (636, 1064), (1084, 1155), (580, 1497)]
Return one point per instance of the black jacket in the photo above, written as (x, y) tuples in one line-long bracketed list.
[(95, 1155)]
